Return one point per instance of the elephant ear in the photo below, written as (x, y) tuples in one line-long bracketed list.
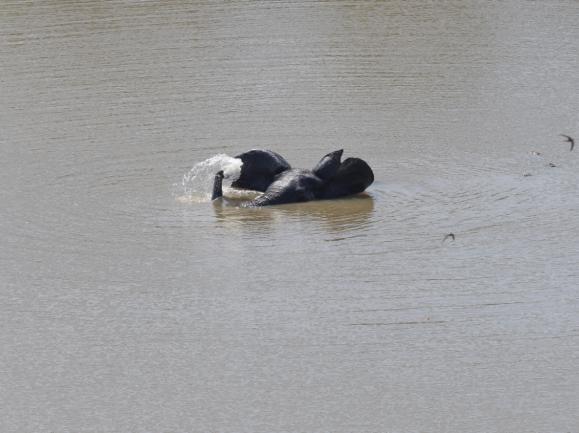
[(259, 169), (328, 165), (353, 177)]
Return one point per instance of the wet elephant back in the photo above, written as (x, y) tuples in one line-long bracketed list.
[(291, 186)]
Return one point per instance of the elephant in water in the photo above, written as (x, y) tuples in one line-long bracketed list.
[(266, 171), (259, 169)]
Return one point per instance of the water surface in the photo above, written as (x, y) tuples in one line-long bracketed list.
[(130, 303)]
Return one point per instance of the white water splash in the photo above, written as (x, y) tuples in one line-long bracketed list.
[(197, 184)]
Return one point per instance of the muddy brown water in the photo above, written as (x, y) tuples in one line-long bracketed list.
[(128, 302)]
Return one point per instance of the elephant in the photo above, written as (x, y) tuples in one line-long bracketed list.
[(259, 169), (268, 172)]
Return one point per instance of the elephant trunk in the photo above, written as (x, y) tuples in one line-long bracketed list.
[(217, 186)]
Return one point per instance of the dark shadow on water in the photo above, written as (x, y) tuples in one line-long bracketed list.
[(334, 216)]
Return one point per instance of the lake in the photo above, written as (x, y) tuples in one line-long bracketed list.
[(131, 303)]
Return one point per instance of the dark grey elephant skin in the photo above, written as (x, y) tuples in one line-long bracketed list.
[(259, 169), (353, 177), (329, 179)]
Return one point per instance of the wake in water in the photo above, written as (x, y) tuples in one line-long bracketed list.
[(197, 184)]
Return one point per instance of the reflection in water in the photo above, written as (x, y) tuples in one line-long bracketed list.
[(340, 215)]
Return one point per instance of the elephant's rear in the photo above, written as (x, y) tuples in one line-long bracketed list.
[(353, 177)]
